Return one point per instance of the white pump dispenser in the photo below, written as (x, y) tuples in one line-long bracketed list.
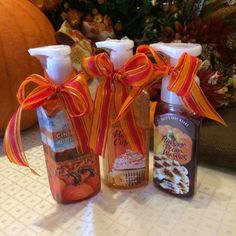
[(55, 60), (120, 50), (174, 51)]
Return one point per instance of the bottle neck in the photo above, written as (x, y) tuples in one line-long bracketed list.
[(173, 61), (120, 58), (58, 69), (168, 96)]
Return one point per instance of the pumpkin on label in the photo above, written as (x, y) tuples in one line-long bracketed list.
[(73, 193), (173, 143), (57, 186), (93, 181), (22, 26)]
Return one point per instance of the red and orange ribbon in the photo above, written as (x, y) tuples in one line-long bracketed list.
[(119, 88), (74, 97), (111, 94), (182, 82)]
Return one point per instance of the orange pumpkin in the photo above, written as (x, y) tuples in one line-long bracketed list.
[(22, 26)]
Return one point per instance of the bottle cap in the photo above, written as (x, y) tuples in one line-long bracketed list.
[(174, 51), (55, 60), (120, 50)]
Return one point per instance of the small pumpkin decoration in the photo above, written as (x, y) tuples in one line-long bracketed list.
[(173, 143), (22, 26)]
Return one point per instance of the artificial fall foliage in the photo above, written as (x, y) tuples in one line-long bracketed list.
[(210, 23)]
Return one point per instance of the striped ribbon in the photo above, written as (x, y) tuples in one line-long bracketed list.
[(182, 82), (75, 99), (112, 92)]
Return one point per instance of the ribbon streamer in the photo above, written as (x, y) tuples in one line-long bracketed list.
[(115, 88), (75, 99)]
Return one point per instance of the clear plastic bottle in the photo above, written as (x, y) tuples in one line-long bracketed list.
[(124, 167), (176, 133), (72, 175)]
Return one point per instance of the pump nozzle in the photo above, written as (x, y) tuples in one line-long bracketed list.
[(55, 60), (175, 50), (120, 50), (123, 44)]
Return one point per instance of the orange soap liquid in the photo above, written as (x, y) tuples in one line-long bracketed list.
[(73, 176), (124, 167)]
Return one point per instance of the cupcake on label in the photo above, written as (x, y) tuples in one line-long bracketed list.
[(131, 166)]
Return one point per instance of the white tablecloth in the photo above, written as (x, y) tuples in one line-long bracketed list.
[(27, 208)]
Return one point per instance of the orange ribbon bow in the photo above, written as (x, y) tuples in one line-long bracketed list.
[(112, 92), (73, 95), (182, 82)]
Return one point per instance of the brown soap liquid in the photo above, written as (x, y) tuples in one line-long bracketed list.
[(176, 136)]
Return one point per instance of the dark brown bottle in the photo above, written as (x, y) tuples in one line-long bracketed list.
[(176, 133), (176, 136)]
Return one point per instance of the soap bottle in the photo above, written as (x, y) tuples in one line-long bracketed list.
[(123, 166), (176, 132), (72, 174)]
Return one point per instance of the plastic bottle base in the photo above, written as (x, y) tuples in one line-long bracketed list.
[(74, 201)]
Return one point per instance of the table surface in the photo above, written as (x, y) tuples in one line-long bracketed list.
[(27, 208)]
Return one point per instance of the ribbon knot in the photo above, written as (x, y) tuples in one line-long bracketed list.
[(118, 77), (170, 70), (57, 89), (117, 89), (75, 99)]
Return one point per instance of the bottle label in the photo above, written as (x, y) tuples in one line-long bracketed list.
[(174, 146), (126, 167), (73, 179), (72, 175), (55, 130)]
